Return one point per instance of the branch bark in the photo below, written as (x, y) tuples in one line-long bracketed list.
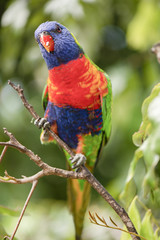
[(48, 170)]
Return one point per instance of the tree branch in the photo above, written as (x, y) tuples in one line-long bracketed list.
[(48, 170)]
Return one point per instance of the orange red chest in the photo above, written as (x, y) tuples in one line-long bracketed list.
[(78, 84)]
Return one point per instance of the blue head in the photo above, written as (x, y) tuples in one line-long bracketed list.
[(57, 44)]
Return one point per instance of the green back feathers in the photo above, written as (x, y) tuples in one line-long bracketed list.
[(45, 97), (107, 110)]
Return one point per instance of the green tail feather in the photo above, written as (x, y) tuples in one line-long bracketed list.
[(78, 195), (79, 190)]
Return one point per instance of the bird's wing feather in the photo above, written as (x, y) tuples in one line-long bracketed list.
[(45, 97), (107, 110), (106, 104)]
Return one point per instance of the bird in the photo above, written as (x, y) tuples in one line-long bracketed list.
[(77, 102)]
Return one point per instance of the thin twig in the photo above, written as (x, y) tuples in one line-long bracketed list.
[(34, 184), (104, 224), (3, 153)]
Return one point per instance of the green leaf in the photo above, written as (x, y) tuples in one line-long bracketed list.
[(134, 214), (8, 211), (130, 189), (146, 227), (157, 234), (148, 140), (157, 140), (150, 181), (129, 192), (156, 197), (146, 125)]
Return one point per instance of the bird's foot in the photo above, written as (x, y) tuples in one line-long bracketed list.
[(78, 160), (42, 123)]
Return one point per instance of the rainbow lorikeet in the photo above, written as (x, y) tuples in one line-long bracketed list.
[(77, 102)]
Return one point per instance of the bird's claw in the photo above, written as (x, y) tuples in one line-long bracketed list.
[(78, 160), (42, 123)]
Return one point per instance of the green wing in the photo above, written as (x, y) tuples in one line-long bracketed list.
[(107, 111), (106, 117), (44, 136), (106, 107), (45, 97)]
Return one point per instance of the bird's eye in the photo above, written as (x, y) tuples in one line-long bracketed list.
[(58, 29), (45, 32)]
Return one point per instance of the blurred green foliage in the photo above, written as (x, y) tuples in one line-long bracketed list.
[(147, 139), (117, 35)]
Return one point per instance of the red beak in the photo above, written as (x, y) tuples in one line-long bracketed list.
[(47, 41)]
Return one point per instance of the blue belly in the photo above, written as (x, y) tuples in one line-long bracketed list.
[(72, 122)]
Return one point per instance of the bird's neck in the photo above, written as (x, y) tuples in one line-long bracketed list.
[(63, 57), (69, 74)]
